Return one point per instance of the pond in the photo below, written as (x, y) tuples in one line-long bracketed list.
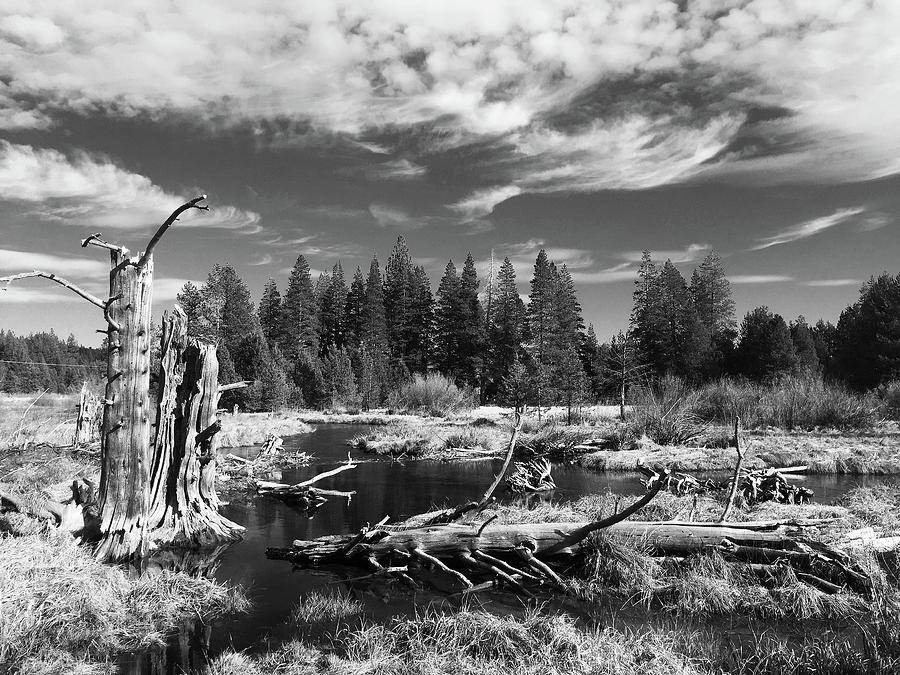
[(383, 487)]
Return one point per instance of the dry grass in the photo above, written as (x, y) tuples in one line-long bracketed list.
[(246, 429), (57, 602), (470, 642), (51, 420)]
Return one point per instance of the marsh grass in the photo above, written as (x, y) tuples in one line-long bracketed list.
[(325, 608), (58, 603)]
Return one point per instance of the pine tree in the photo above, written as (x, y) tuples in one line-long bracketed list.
[(419, 343), (448, 323), (471, 332), (190, 299), (804, 347), (765, 350), (398, 300), (333, 299), (338, 379), (269, 313), (507, 329), (867, 338), (299, 316), (376, 335), (711, 293), (354, 310)]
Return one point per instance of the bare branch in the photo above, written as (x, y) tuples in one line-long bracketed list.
[(193, 204), (95, 240), (93, 299)]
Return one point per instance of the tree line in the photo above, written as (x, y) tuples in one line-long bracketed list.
[(43, 361), (331, 342)]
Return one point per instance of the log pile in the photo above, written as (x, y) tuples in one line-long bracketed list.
[(464, 547), (533, 476)]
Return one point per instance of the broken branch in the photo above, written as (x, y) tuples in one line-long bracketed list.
[(193, 204), (93, 299)]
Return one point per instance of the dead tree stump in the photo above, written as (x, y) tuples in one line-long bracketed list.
[(183, 507)]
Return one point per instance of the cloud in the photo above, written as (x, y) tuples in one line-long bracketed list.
[(394, 217), (830, 283), (739, 279), (397, 169), (167, 289), (92, 191), (576, 95), (12, 262), (481, 202), (808, 228), (25, 295), (689, 253)]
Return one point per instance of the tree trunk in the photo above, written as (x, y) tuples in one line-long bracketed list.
[(125, 441), (183, 508)]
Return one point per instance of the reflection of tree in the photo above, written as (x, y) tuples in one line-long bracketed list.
[(187, 649)]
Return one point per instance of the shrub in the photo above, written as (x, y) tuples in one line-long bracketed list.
[(434, 394), (665, 413), (889, 395), (792, 402)]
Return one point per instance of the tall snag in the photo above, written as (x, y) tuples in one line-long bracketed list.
[(184, 502)]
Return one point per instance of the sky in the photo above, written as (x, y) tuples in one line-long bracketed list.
[(766, 130)]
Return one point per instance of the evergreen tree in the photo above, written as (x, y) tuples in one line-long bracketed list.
[(376, 335), (190, 300), (765, 350), (354, 310), (804, 347), (540, 323), (334, 298), (448, 321), (398, 301), (299, 315), (269, 313), (867, 338), (338, 379), (419, 344), (471, 329), (507, 329), (711, 293)]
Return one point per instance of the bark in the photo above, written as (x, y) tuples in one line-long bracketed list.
[(125, 441), (183, 509)]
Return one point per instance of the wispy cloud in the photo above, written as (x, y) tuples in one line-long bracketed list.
[(92, 191), (830, 283), (739, 279), (481, 202), (12, 261), (808, 228), (689, 253), (387, 215)]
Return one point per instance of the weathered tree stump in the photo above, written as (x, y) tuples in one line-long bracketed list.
[(183, 506)]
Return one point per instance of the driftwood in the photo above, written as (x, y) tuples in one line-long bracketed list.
[(533, 476), (301, 494)]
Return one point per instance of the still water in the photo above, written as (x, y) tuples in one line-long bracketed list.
[(383, 487)]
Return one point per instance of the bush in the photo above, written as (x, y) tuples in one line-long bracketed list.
[(434, 394), (889, 395), (792, 402), (665, 413)]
